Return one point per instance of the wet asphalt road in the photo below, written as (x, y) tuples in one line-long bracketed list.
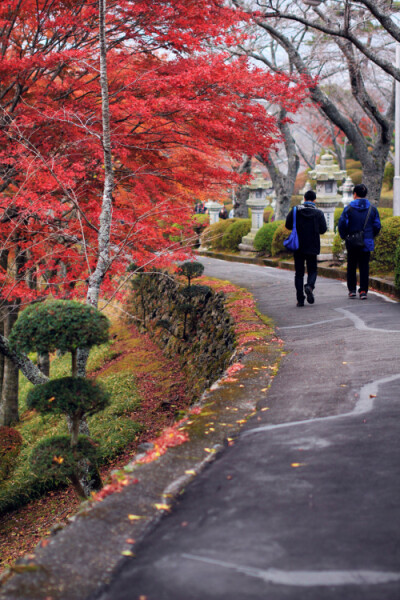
[(305, 505)]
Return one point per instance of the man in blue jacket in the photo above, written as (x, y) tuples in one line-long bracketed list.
[(355, 218), (310, 224)]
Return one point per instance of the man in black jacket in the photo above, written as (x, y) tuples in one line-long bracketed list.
[(310, 224)]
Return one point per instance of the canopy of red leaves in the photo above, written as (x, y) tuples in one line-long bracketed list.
[(181, 111)]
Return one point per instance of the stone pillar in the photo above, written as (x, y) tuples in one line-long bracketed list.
[(257, 206), (213, 211)]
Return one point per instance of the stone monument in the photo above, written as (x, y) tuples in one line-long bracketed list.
[(257, 202), (213, 210)]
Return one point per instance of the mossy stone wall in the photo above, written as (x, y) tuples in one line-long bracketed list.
[(204, 352)]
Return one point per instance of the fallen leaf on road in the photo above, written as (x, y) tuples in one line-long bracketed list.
[(127, 553), (134, 517), (162, 506), (190, 472)]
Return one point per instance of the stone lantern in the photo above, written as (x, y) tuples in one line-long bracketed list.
[(327, 176), (213, 210), (257, 202), (347, 191)]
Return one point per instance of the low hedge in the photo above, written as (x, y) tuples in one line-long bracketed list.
[(338, 246), (386, 244), (281, 233), (212, 236), (234, 234), (268, 214), (385, 213), (264, 237)]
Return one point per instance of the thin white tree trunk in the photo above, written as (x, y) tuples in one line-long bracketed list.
[(103, 260)]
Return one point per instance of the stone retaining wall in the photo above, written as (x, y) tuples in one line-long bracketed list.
[(205, 351)]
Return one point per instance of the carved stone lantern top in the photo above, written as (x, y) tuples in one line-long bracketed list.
[(327, 170)]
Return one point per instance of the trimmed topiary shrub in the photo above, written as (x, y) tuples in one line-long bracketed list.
[(190, 270), (268, 214), (264, 236), (234, 234), (10, 447), (212, 236), (281, 233), (386, 244), (55, 458), (72, 396), (75, 397), (62, 325)]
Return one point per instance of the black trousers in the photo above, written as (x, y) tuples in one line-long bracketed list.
[(311, 261), (357, 257)]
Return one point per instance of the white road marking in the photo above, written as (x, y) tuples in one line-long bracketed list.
[(361, 325), (312, 324), (305, 578), (364, 404)]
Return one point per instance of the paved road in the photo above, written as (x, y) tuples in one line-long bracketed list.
[(305, 505)]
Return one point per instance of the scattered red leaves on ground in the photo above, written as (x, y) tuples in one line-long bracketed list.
[(172, 436)]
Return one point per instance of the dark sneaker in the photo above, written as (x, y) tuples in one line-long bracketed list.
[(363, 295), (352, 295), (300, 304), (309, 294)]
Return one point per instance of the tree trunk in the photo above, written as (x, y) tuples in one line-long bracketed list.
[(9, 396), (283, 183), (44, 363), (241, 210)]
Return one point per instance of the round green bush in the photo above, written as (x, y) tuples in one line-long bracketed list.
[(386, 243), (10, 447), (201, 220), (281, 233), (68, 395), (268, 213), (397, 266), (234, 234), (385, 213), (53, 457), (212, 236), (59, 325), (264, 236), (356, 175), (338, 246)]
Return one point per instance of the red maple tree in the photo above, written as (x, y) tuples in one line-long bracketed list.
[(179, 108)]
